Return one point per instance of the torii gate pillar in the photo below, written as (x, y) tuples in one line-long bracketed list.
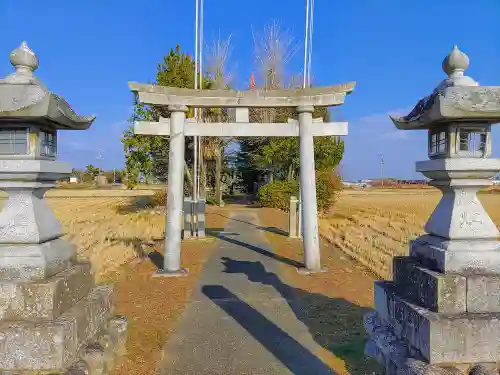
[(308, 190), (175, 197)]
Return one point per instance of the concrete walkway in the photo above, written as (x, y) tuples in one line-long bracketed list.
[(239, 320)]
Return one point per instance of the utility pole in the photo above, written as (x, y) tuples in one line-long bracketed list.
[(99, 158), (381, 156)]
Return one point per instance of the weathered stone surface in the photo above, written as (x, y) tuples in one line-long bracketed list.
[(35, 261), (109, 351), (117, 329), (50, 311), (94, 357), (483, 370), (461, 256), (441, 338), (459, 214), (54, 345), (389, 346), (385, 346), (318, 96), (435, 291), (23, 96), (78, 368), (451, 320), (26, 217), (416, 367), (394, 352), (45, 299), (483, 293)]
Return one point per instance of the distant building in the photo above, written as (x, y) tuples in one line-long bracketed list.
[(358, 184), (73, 180)]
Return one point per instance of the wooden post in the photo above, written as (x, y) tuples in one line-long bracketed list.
[(292, 217)]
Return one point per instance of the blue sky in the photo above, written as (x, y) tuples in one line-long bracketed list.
[(89, 50)]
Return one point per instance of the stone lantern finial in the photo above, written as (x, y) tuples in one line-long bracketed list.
[(24, 59), (26, 62), (455, 63)]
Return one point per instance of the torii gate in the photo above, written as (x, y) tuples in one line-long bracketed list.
[(179, 99)]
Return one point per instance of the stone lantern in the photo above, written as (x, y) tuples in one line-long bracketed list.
[(52, 315), (441, 312)]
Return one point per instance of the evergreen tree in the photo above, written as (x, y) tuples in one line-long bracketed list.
[(148, 155)]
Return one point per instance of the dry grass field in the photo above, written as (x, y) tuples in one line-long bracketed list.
[(372, 226), (108, 226)]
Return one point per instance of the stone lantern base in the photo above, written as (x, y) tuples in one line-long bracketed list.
[(440, 314), (53, 318), (49, 325), (428, 322)]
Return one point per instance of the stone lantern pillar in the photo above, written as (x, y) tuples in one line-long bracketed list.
[(53, 319), (441, 312)]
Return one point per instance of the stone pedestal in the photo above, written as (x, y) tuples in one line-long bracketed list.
[(51, 312)]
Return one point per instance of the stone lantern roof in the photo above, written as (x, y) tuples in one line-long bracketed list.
[(457, 98), (24, 97)]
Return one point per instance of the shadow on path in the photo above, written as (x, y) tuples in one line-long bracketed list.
[(274, 230), (224, 236), (335, 323), (298, 359)]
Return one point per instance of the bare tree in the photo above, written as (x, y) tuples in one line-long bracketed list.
[(218, 56), (273, 51), (220, 76)]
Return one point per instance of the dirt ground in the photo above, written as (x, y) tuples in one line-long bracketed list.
[(153, 305), (335, 301)]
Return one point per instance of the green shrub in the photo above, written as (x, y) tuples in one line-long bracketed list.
[(277, 194)]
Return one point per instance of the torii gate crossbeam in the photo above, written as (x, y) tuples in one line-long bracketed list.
[(178, 100)]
